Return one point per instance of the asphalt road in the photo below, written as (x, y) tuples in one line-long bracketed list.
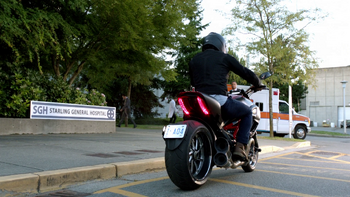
[(322, 169), (28, 153)]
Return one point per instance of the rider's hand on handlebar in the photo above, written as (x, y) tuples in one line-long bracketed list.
[(260, 87)]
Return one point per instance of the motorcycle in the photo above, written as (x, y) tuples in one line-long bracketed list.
[(204, 139)]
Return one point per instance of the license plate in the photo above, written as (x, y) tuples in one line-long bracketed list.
[(175, 131)]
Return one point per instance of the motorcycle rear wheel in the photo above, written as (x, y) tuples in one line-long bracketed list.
[(190, 164), (253, 157)]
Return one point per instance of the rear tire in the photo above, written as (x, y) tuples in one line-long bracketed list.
[(299, 132), (190, 164)]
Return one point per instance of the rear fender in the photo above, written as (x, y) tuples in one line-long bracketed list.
[(173, 143)]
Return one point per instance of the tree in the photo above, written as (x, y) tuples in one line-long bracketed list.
[(66, 36), (299, 91), (163, 27), (187, 50), (34, 31), (277, 40), (94, 40), (232, 76), (142, 97)]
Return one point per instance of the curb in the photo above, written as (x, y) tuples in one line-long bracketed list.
[(269, 149), (59, 179)]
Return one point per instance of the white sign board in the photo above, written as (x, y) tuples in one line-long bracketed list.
[(52, 110)]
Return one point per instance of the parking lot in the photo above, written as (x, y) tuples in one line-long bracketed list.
[(310, 172)]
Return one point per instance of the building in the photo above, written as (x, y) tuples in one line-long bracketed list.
[(324, 103)]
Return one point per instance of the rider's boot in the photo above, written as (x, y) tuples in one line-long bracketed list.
[(239, 152)]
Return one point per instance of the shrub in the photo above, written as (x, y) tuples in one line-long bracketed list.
[(19, 86), (17, 90)]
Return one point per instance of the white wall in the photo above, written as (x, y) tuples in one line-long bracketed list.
[(323, 101)]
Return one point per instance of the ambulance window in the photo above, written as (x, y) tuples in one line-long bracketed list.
[(284, 108), (260, 105)]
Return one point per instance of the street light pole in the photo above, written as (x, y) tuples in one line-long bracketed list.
[(344, 117)]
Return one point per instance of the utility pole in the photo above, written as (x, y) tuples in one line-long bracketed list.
[(344, 115)]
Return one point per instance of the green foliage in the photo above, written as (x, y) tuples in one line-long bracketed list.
[(328, 133), (299, 91), (20, 86), (187, 50), (30, 29), (94, 97), (278, 40), (55, 45), (142, 97), (16, 91), (232, 76), (143, 101), (87, 97)]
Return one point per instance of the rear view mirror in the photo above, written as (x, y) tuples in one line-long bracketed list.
[(265, 75)]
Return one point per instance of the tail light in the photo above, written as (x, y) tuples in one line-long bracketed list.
[(187, 107), (183, 107), (203, 106)]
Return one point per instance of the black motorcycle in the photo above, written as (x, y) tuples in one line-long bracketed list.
[(204, 139)]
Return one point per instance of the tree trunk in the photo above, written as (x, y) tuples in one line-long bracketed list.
[(56, 65), (129, 88), (69, 66), (76, 73)]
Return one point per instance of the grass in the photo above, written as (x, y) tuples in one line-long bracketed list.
[(150, 123), (286, 138), (329, 133), (141, 126), (160, 127), (280, 138)]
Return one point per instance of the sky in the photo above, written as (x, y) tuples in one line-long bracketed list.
[(329, 38)]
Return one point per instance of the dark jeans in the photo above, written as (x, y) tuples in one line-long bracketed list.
[(173, 118), (236, 109), (126, 116)]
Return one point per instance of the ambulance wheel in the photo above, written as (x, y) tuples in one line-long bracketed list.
[(299, 132)]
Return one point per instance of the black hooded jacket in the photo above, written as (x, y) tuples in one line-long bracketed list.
[(209, 72)]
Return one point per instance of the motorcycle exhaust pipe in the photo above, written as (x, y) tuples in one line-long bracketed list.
[(237, 164), (223, 155), (222, 145), (221, 160)]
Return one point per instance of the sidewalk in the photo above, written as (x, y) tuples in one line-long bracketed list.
[(40, 163)]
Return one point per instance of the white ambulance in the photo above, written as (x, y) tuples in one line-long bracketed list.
[(280, 108)]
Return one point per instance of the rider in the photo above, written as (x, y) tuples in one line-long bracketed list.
[(209, 72)]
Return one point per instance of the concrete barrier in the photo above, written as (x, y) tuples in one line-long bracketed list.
[(58, 179), (11, 126), (20, 183)]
